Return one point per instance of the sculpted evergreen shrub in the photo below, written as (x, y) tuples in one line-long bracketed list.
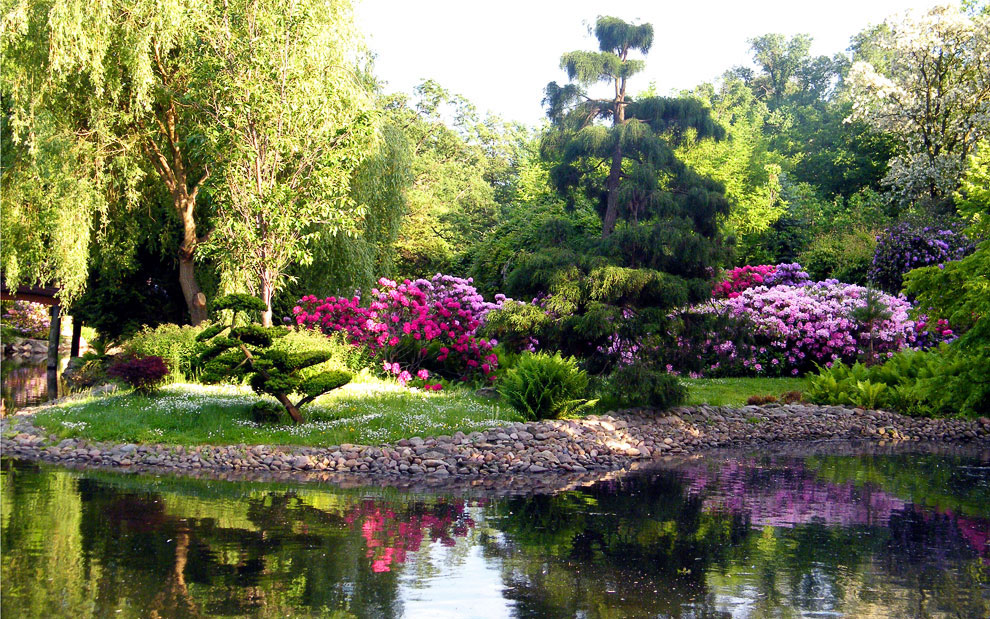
[(541, 386), (250, 351)]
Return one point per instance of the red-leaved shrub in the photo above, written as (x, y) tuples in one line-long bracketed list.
[(144, 374)]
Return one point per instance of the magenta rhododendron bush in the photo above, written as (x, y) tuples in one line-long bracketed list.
[(421, 330), (794, 327), (742, 278)]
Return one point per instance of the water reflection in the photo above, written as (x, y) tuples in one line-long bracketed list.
[(885, 536), (24, 382)]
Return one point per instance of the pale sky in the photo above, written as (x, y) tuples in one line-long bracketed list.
[(500, 55)]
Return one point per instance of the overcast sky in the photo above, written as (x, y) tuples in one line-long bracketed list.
[(501, 54)]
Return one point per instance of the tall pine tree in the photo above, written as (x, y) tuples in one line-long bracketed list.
[(659, 239)]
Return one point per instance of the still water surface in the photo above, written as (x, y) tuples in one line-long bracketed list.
[(739, 535)]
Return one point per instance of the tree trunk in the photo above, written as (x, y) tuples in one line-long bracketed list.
[(54, 334), (266, 295), (612, 188), (615, 171), (290, 407), (76, 336), (195, 299)]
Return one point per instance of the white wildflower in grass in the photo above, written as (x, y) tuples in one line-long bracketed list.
[(366, 411)]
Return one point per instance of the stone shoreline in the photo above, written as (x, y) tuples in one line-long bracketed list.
[(551, 452)]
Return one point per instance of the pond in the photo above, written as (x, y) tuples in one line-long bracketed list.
[(24, 381), (878, 533)]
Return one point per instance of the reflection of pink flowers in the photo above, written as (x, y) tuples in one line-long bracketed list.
[(389, 535)]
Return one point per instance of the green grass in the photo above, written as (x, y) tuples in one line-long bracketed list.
[(735, 391), (367, 411)]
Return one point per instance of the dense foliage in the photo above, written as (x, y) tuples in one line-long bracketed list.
[(912, 244)]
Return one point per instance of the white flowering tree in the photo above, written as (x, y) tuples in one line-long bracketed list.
[(932, 93)]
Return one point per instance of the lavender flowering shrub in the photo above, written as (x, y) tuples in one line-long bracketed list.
[(912, 244), (795, 327), (785, 274)]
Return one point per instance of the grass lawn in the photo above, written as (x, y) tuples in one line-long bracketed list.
[(735, 391), (367, 411)]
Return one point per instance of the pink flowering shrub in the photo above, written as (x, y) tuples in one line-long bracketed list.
[(742, 278), (794, 327), (421, 330)]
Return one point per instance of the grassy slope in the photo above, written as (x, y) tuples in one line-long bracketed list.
[(367, 411), (735, 391)]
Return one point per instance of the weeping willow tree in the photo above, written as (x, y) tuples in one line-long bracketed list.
[(114, 84), (50, 203)]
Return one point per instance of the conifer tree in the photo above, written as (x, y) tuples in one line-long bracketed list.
[(659, 238), (633, 139)]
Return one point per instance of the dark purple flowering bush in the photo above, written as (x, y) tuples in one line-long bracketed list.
[(785, 274), (911, 244)]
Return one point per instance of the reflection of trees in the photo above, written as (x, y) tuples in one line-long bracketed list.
[(626, 548), (296, 557)]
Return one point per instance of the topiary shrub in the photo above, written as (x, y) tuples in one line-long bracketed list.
[(144, 374), (542, 386), (641, 385), (250, 351)]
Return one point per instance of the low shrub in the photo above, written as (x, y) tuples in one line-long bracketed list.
[(759, 400), (843, 256), (741, 278), (542, 386), (144, 374), (425, 324), (933, 383), (84, 372), (252, 352), (795, 327), (641, 385), (176, 344), (268, 412)]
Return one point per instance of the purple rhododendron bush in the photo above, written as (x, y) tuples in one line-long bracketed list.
[(795, 327), (421, 330)]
